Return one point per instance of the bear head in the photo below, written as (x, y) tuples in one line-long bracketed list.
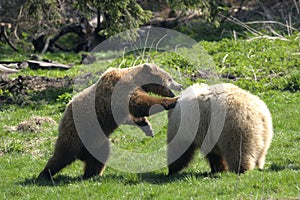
[(157, 80)]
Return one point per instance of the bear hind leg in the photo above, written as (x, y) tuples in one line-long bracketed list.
[(216, 162), (182, 161), (260, 163), (93, 167), (240, 163)]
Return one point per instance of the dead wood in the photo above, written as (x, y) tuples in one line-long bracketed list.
[(33, 64), (6, 70)]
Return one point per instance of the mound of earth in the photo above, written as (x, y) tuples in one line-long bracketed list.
[(33, 124)]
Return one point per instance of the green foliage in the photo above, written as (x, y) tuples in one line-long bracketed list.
[(4, 92), (51, 95), (210, 9), (203, 30), (64, 99), (118, 15), (42, 9), (260, 64), (69, 58), (7, 54), (68, 41), (39, 17), (293, 82)]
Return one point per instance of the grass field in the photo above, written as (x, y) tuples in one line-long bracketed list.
[(267, 68)]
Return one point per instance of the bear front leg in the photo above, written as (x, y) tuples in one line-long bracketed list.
[(217, 163), (142, 123), (182, 161), (140, 104), (58, 161)]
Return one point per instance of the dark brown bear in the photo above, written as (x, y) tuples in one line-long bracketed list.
[(120, 96)]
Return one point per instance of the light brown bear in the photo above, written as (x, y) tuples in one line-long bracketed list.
[(230, 126), (119, 96)]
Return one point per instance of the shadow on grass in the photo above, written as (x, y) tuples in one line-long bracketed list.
[(134, 179), (56, 181), (158, 178), (276, 167), (154, 178), (126, 179)]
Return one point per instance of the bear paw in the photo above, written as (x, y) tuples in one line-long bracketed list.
[(169, 103)]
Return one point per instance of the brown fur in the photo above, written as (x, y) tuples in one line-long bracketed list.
[(69, 145)]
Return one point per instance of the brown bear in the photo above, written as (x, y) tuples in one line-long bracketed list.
[(119, 96), (231, 127)]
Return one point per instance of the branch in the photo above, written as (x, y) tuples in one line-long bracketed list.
[(3, 32), (41, 45), (17, 23), (46, 45), (72, 28)]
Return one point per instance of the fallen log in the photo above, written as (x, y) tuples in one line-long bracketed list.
[(11, 65), (6, 70), (33, 64)]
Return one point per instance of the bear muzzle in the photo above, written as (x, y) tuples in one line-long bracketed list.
[(175, 86)]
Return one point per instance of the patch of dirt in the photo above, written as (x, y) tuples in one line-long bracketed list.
[(34, 124), (34, 83), (22, 88)]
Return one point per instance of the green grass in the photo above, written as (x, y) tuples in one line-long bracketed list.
[(24, 154), (22, 163)]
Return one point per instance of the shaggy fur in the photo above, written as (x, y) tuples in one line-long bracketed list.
[(97, 102), (233, 129)]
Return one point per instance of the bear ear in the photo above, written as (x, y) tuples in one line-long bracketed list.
[(149, 67)]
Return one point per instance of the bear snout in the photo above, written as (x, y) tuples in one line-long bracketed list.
[(176, 86)]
